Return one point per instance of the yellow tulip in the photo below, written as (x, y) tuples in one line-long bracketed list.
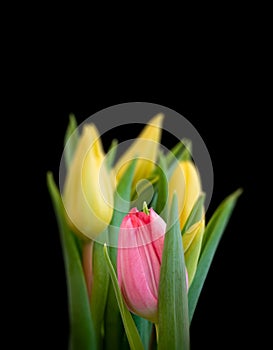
[(88, 190), (145, 148), (185, 181)]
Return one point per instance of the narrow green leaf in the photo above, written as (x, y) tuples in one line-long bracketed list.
[(211, 238), (192, 252), (70, 140), (189, 236), (196, 214), (78, 243), (154, 200), (129, 325), (145, 192), (114, 329), (220, 218), (122, 195), (99, 291), (181, 151), (111, 154), (82, 334), (162, 188), (114, 333), (173, 302), (121, 203)]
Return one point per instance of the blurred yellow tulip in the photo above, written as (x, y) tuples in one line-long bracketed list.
[(88, 190), (185, 181), (145, 148)]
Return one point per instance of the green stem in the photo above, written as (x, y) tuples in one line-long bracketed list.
[(87, 252)]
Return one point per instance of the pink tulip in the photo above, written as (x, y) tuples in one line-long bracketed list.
[(140, 248)]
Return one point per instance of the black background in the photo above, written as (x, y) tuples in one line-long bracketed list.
[(216, 89)]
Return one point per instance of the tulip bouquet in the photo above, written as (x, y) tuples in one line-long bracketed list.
[(136, 246)]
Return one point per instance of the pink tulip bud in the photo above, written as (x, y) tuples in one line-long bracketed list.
[(140, 248)]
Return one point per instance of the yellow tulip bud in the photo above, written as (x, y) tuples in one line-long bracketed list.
[(88, 190), (145, 148), (185, 181)]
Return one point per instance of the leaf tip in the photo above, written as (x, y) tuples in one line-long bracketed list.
[(235, 195), (72, 118), (105, 249), (49, 176), (239, 191)]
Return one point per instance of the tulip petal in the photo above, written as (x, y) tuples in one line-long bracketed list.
[(141, 242), (139, 265), (88, 190), (145, 148), (185, 181), (136, 288)]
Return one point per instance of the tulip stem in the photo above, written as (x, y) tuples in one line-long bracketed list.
[(87, 256)]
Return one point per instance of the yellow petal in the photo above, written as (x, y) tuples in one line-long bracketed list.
[(145, 147), (185, 181), (88, 191)]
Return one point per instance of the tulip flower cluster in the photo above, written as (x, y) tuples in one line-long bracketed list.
[(141, 291)]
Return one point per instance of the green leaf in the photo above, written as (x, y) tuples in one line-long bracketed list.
[(173, 327), (154, 200), (113, 320), (70, 140), (144, 193), (111, 154), (121, 203), (144, 328), (99, 291), (188, 237), (192, 251), (181, 151), (129, 325), (196, 214), (114, 330), (79, 244), (122, 195), (162, 188), (115, 335), (82, 334), (211, 238)]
